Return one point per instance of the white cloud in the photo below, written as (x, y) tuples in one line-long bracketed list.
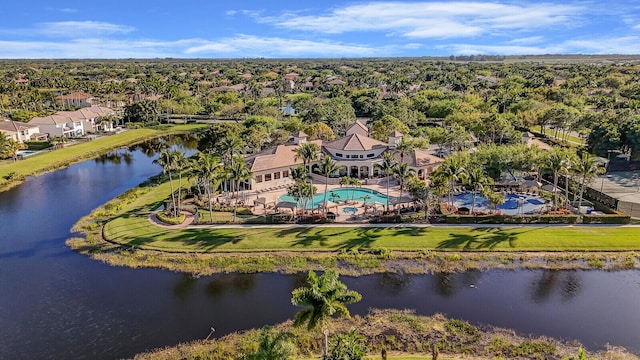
[(432, 19), (69, 10), (477, 49), (527, 40), (636, 27), (81, 28), (255, 46), (605, 45), (230, 12), (92, 48)]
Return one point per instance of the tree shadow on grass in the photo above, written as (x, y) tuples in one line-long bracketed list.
[(192, 239), (483, 239), (363, 239)]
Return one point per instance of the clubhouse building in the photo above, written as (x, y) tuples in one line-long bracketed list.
[(357, 155)]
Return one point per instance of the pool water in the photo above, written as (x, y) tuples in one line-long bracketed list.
[(344, 194), (514, 204), (349, 210)]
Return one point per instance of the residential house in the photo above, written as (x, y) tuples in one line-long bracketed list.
[(21, 132), (75, 123), (77, 100)]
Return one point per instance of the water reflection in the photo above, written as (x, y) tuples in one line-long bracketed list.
[(567, 283), (152, 147), (448, 284), (221, 285), (115, 157), (392, 283), (184, 286)]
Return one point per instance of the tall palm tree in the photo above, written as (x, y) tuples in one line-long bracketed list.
[(166, 159), (308, 152), (477, 179), (327, 167), (323, 297), (402, 173), (208, 169), (586, 168), (181, 164), (239, 171), (230, 146), (404, 147), (453, 170), (387, 167), (558, 161)]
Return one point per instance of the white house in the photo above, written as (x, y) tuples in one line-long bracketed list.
[(21, 132), (75, 123)]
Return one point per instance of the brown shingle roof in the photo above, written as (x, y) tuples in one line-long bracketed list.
[(355, 142), (360, 125), (396, 133)]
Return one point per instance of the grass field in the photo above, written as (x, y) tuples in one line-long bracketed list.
[(61, 158), (132, 228)]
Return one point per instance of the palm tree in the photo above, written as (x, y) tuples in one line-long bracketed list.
[(388, 165), (181, 163), (273, 345), (9, 147), (327, 167), (402, 172), (421, 193), (558, 162), (239, 171), (587, 167), (477, 179), (323, 297), (308, 152), (230, 146), (207, 168), (166, 159), (404, 147), (453, 170)]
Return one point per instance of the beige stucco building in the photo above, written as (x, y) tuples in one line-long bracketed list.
[(356, 154)]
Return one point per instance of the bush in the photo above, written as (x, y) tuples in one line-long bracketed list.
[(507, 219), (618, 218), (37, 145), (167, 219)]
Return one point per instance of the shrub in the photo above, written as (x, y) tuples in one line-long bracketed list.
[(167, 219)]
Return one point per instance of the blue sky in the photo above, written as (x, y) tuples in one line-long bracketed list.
[(316, 29)]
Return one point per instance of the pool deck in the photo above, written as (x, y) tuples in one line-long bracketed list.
[(272, 196)]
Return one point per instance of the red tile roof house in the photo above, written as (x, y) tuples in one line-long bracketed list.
[(77, 100), (357, 154)]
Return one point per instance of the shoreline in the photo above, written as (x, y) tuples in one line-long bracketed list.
[(122, 233)]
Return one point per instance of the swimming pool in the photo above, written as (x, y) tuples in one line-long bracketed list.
[(343, 194), (349, 210), (514, 204)]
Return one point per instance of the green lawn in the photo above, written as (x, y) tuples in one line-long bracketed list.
[(63, 157), (133, 228)]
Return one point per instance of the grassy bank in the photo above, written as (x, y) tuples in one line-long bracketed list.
[(136, 242), (405, 336), (14, 173)]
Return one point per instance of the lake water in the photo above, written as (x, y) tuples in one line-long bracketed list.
[(57, 304)]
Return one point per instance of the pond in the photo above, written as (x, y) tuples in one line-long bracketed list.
[(61, 305)]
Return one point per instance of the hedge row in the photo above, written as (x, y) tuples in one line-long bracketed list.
[(506, 219)]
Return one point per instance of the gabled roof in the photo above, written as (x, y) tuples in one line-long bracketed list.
[(51, 120), (300, 134), (360, 125), (418, 158), (355, 142), (396, 133), (276, 157), (15, 126)]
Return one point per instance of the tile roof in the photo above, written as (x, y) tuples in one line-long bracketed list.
[(396, 133), (355, 142), (76, 96), (276, 157), (360, 125), (418, 158), (14, 126), (63, 117)]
